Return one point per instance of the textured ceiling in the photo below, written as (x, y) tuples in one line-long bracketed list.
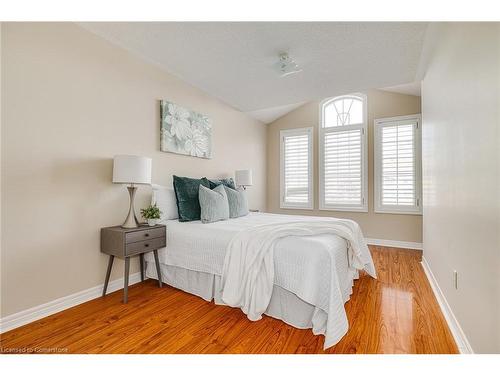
[(413, 88), (268, 115), (234, 61)]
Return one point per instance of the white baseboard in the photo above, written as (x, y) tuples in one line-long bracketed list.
[(391, 243), (38, 312), (458, 334)]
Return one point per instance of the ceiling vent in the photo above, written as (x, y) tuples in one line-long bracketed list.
[(286, 65)]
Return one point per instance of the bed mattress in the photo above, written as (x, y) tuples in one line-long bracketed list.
[(202, 247)]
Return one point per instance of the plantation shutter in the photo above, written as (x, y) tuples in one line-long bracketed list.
[(397, 165), (343, 168), (296, 168)]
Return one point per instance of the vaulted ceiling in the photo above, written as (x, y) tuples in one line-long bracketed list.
[(234, 61)]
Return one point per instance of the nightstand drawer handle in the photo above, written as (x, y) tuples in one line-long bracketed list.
[(146, 245), (146, 234)]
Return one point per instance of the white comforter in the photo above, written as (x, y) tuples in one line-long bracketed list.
[(315, 268), (248, 273)]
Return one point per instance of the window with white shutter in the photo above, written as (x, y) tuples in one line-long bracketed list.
[(398, 181), (296, 186), (343, 154)]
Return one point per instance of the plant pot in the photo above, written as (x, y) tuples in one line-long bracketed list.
[(152, 222)]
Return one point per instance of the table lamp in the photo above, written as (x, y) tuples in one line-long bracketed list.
[(131, 169), (243, 178)]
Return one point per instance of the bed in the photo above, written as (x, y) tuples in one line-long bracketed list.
[(313, 275)]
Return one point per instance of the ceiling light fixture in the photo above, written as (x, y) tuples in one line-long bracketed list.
[(286, 66)]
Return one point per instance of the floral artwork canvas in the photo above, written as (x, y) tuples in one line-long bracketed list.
[(185, 132)]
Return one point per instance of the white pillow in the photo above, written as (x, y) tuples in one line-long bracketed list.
[(166, 202)]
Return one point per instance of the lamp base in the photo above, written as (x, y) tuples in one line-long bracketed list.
[(131, 220)]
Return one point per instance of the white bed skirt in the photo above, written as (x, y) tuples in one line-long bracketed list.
[(284, 305)]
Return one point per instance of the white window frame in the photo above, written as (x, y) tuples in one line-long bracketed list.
[(363, 207), (395, 209), (309, 205)]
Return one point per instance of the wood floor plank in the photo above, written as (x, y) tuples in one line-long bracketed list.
[(397, 313)]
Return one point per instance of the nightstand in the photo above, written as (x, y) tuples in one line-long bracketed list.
[(125, 243)]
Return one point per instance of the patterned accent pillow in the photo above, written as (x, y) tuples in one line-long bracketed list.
[(213, 203), (186, 192), (238, 202), (229, 182)]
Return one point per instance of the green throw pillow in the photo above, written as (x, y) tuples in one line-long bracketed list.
[(229, 182), (238, 203), (214, 204), (186, 192)]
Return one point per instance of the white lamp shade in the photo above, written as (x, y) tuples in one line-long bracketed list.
[(131, 169), (243, 177)]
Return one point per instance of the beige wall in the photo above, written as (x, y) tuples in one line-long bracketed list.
[(70, 102), (381, 226), (461, 172)]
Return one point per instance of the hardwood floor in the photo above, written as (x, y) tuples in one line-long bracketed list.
[(397, 313)]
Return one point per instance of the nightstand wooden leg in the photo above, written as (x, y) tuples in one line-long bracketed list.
[(141, 260), (108, 273), (125, 286), (155, 252)]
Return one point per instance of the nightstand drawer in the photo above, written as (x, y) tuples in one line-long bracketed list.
[(145, 234), (144, 246)]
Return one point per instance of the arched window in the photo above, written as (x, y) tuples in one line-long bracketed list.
[(343, 154), (343, 110)]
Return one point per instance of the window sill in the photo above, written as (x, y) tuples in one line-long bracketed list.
[(345, 209), (397, 212), (296, 207)]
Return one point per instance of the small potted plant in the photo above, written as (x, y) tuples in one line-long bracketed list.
[(151, 214)]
